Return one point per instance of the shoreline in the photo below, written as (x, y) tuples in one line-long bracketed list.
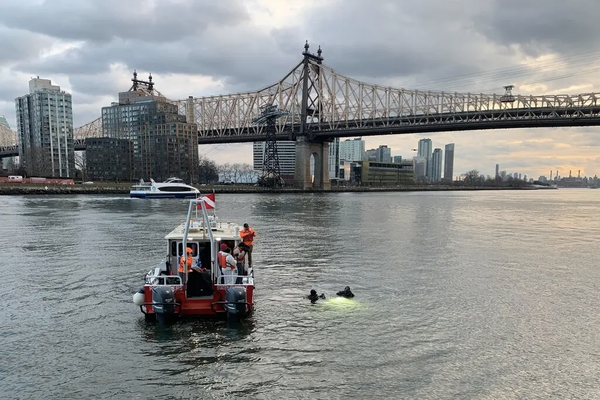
[(39, 189)]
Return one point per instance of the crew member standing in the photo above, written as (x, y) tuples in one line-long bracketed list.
[(182, 262), (247, 234), (228, 266), (239, 253)]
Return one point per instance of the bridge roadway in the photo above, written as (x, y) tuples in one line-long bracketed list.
[(444, 122)]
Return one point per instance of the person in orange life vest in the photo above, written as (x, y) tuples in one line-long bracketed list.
[(239, 253), (182, 262), (228, 266), (247, 234), (221, 256)]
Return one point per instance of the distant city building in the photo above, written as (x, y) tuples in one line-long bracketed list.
[(384, 154), (425, 150), (387, 173), (420, 169), (497, 170), (352, 149), (151, 139), (370, 155), (449, 163), (436, 166), (7, 138), (334, 159), (397, 159), (4, 122), (286, 152), (45, 130)]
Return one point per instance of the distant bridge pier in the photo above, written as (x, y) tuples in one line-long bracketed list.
[(320, 152)]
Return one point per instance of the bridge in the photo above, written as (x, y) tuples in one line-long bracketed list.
[(323, 104)]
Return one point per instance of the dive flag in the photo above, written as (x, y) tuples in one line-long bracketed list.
[(209, 201)]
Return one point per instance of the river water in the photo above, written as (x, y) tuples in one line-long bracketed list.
[(459, 295)]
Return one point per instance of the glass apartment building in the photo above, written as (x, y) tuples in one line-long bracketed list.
[(45, 130)]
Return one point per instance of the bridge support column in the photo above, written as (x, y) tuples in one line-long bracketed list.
[(320, 153)]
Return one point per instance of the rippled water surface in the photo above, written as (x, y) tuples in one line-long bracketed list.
[(479, 295)]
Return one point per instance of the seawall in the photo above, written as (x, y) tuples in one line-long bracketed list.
[(117, 188)]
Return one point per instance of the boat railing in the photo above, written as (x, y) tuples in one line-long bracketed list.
[(164, 280)]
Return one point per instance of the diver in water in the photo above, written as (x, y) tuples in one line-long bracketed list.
[(313, 296), (347, 293)]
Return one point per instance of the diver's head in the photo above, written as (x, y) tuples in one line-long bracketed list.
[(313, 292), (347, 289)]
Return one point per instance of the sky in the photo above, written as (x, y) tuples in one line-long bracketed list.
[(204, 48)]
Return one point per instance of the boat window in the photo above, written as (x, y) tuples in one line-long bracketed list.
[(175, 189), (191, 245)]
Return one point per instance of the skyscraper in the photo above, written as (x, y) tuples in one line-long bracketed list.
[(449, 163), (45, 130), (425, 150), (352, 149), (144, 137), (384, 154), (334, 159), (436, 166)]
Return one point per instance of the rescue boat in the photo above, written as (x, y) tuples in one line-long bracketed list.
[(204, 292)]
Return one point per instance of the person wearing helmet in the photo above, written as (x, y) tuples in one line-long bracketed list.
[(183, 260), (313, 296), (347, 293)]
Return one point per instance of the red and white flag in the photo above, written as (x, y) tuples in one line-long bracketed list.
[(209, 201)]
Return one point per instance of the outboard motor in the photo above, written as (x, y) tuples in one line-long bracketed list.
[(235, 303), (163, 304)]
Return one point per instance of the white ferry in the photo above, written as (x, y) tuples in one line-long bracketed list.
[(204, 292), (171, 188)]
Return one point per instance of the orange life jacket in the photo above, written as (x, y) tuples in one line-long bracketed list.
[(247, 236), (190, 260), (221, 259)]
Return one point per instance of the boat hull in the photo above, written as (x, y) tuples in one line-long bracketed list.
[(207, 306)]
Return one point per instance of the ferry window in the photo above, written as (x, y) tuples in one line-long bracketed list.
[(191, 245), (174, 249)]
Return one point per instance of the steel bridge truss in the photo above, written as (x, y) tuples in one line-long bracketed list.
[(321, 103)]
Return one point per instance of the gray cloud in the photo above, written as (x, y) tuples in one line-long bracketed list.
[(17, 45), (539, 26), (103, 21)]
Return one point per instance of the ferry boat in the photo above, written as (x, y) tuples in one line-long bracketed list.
[(205, 292), (171, 188)]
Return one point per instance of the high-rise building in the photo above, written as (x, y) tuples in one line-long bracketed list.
[(384, 154), (286, 152), (45, 130), (7, 138), (497, 170), (397, 159), (449, 163), (425, 150), (420, 168), (436, 166), (334, 159), (370, 155), (352, 149), (145, 138)]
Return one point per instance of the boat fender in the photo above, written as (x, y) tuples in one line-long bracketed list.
[(138, 297)]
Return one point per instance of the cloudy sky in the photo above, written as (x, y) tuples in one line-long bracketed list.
[(202, 48)]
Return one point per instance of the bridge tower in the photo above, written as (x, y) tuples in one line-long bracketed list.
[(306, 144), (271, 174)]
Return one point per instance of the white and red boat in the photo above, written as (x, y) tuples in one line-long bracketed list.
[(205, 292)]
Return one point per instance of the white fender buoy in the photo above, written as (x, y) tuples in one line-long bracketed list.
[(138, 297)]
